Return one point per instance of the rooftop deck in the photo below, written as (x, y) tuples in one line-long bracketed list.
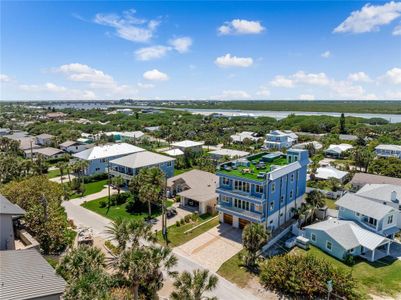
[(254, 167)]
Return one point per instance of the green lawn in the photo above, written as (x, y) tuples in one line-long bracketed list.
[(381, 277), (176, 235), (53, 173), (92, 188), (234, 272), (330, 203), (119, 211)]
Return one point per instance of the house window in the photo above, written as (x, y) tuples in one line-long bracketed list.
[(169, 164), (313, 237), (241, 186), (292, 177), (226, 181), (351, 250), (273, 187), (390, 219), (271, 205), (258, 207), (329, 245), (225, 199), (259, 189), (282, 200), (291, 194), (372, 221)]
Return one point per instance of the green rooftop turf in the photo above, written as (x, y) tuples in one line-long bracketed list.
[(280, 161)]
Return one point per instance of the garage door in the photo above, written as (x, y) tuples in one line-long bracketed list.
[(228, 219), (243, 223)]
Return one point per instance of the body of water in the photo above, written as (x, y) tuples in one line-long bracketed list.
[(393, 118)]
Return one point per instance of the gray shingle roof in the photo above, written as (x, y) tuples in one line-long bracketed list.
[(25, 274), (8, 208), (381, 192), (141, 159), (365, 178), (45, 136), (364, 206), (348, 234)]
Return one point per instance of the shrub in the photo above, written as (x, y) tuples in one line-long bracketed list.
[(349, 260), (95, 177), (187, 218), (305, 276), (118, 199), (177, 223), (194, 217), (130, 207), (102, 204), (182, 221)]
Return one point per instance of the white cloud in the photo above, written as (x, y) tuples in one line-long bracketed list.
[(306, 97), (4, 78), (227, 60), (82, 72), (392, 76), (149, 53), (181, 44), (263, 91), (348, 91), (392, 95), (238, 26), (300, 77), (397, 30), (155, 75), (145, 85), (370, 18), (359, 77), (326, 54), (282, 81), (128, 26), (60, 92), (232, 95)]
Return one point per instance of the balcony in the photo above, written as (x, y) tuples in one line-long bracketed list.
[(241, 213), (123, 175), (240, 195)]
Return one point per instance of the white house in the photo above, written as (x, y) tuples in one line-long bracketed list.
[(99, 156), (196, 188), (326, 172), (337, 151), (44, 139), (278, 139), (388, 150), (241, 136), (174, 152), (316, 145), (125, 111), (188, 145), (220, 153)]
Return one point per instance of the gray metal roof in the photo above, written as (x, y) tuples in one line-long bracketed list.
[(365, 178), (381, 192), (25, 274), (348, 234), (364, 206), (141, 159), (8, 208), (45, 136)]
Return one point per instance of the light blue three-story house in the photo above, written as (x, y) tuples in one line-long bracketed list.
[(262, 188)]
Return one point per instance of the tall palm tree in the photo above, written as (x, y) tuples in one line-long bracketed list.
[(141, 266), (118, 182), (192, 286), (120, 232), (254, 236), (315, 200), (140, 230), (61, 166)]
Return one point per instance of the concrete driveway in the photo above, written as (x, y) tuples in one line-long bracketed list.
[(212, 248)]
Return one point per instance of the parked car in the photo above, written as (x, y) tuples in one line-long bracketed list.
[(171, 212)]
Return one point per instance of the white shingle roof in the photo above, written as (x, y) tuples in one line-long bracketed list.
[(339, 148), (187, 144), (25, 274), (141, 159), (108, 150), (229, 152), (329, 171), (174, 152), (348, 234), (389, 147), (364, 206)]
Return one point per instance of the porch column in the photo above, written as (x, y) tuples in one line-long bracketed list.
[(388, 248), (373, 255)]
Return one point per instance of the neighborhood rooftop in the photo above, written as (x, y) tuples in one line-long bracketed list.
[(27, 275), (8, 208), (229, 153), (187, 144), (108, 150), (348, 234), (383, 192), (364, 206), (365, 178), (141, 159)]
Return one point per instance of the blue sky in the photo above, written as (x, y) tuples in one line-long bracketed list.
[(200, 50)]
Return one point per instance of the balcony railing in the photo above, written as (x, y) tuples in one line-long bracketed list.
[(123, 175), (241, 212)]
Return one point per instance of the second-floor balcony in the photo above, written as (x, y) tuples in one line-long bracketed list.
[(241, 213), (240, 194), (123, 175)]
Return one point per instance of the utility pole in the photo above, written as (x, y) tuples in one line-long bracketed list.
[(164, 217)]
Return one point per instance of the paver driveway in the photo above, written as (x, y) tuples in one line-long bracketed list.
[(212, 248)]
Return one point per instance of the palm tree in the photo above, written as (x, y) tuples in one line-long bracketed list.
[(254, 236), (141, 266), (140, 230), (315, 200), (117, 182), (192, 286), (61, 166), (120, 232)]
